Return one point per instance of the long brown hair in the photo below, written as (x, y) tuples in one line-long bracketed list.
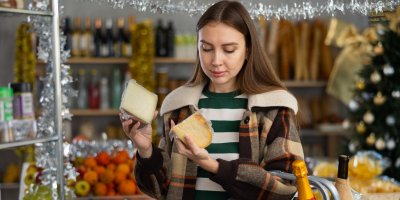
[(257, 74)]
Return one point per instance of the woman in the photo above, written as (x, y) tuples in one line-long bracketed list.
[(252, 115)]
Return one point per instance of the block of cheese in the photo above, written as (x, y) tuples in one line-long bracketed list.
[(138, 102), (197, 127)]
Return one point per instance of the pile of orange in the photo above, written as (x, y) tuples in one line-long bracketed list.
[(108, 174)]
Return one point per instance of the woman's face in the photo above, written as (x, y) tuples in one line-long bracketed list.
[(222, 52)]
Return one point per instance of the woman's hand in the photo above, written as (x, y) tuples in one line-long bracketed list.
[(195, 153), (140, 136)]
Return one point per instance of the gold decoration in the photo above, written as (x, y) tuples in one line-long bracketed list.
[(379, 99), (368, 117), (360, 128), (25, 59), (375, 77), (394, 20), (371, 139), (360, 85)]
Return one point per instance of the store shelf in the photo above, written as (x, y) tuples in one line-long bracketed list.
[(95, 112), (131, 197), (9, 186), (27, 142), (304, 84), (13, 11), (158, 60)]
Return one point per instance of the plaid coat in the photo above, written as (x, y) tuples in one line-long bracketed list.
[(268, 140)]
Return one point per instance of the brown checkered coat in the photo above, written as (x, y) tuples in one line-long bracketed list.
[(268, 140)]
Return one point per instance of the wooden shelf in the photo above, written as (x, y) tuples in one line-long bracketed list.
[(95, 112), (100, 61), (9, 186)]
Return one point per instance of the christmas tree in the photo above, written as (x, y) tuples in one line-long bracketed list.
[(375, 107)]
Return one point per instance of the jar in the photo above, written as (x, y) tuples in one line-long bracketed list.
[(6, 105), (23, 101)]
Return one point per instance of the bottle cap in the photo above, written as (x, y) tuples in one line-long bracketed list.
[(343, 166), (20, 87)]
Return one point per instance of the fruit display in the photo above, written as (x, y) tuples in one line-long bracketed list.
[(105, 174)]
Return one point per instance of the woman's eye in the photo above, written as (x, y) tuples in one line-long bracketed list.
[(229, 51), (207, 49)]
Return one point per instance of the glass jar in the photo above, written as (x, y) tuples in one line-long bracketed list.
[(23, 105)]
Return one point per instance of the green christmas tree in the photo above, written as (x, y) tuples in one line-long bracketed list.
[(375, 108)]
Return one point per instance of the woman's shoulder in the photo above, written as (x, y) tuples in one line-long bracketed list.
[(275, 98), (180, 97)]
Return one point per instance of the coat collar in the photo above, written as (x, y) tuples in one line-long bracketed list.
[(184, 96)]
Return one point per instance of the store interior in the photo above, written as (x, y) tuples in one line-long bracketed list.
[(329, 69)]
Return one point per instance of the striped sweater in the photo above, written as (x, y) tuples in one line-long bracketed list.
[(268, 140)]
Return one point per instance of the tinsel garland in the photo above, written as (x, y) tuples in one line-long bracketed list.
[(46, 153), (286, 9)]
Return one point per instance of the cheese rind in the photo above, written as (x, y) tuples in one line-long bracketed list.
[(139, 102), (197, 127)]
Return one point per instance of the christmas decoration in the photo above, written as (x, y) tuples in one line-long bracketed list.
[(286, 9), (380, 113), (46, 154)]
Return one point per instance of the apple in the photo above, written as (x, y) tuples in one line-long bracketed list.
[(82, 188), (29, 178), (31, 169), (81, 170)]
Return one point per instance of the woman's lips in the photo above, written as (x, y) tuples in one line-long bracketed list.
[(217, 74)]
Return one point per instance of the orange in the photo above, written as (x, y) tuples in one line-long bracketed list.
[(100, 189), (123, 167), (111, 166), (121, 157), (127, 187), (103, 158), (119, 177), (107, 176), (99, 169), (91, 177), (111, 192), (131, 163), (90, 162)]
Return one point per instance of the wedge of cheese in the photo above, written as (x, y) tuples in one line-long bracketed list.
[(139, 102), (197, 127)]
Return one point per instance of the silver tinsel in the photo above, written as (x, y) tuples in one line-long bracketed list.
[(286, 9), (45, 153)]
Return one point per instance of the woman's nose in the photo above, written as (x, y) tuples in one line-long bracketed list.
[(217, 58)]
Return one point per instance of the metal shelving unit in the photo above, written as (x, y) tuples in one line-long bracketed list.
[(54, 15)]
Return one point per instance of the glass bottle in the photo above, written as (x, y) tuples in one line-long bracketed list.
[(76, 35), (161, 45), (120, 39), (98, 38), (67, 32), (86, 40), (94, 90), (342, 183), (302, 182), (82, 90), (104, 93), (116, 88), (109, 38), (170, 39), (128, 50)]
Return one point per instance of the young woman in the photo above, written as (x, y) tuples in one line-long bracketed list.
[(252, 114)]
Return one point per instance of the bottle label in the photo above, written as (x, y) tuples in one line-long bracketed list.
[(6, 110), (75, 45), (104, 50), (23, 106), (2, 118)]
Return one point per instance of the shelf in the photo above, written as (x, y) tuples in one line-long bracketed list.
[(95, 112), (27, 142), (25, 12), (158, 60), (9, 186), (300, 84)]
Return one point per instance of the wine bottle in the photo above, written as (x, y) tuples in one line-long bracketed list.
[(94, 90), (120, 39), (116, 88), (109, 38), (128, 49), (342, 183), (86, 40), (98, 38), (161, 45), (67, 32), (302, 182), (170, 39), (104, 93), (76, 35), (82, 90)]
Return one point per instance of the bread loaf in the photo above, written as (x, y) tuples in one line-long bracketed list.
[(138, 102), (197, 127)]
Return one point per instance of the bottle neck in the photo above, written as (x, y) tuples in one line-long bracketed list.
[(304, 189)]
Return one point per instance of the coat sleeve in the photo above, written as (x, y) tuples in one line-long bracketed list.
[(151, 174), (279, 146)]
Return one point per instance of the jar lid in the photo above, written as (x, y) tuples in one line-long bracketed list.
[(6, 92), (20, 87)]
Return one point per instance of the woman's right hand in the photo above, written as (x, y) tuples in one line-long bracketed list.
[(140, 136)]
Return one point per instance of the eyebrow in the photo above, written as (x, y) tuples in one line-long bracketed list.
[(226, 44)]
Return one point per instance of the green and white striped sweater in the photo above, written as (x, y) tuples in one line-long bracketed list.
[(225, 111)]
